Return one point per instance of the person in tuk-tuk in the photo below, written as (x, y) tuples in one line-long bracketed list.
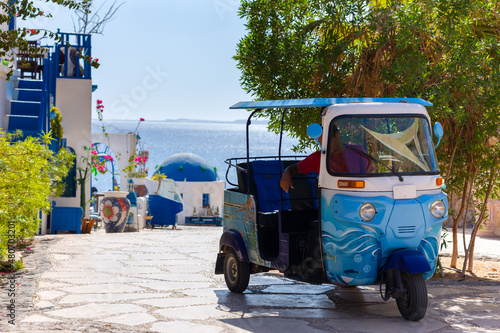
[(341, 161)]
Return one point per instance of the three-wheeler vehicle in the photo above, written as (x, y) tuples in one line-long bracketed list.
[(376, 219)]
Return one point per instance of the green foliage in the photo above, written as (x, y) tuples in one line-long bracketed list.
[(29, 174), (14, 266), (312, 49), (55, 124)]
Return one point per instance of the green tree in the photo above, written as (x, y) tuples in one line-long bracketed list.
[(30, 173), (446, 52)]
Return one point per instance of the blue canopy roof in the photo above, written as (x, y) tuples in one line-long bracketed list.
[(322, 102)]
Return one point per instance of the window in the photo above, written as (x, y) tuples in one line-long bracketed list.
[(206, 200), (380, 145)]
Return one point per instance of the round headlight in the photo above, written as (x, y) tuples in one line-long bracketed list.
[(438, 208), (367, 212)]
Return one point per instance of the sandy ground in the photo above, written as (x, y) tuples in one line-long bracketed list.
[(483, 270)]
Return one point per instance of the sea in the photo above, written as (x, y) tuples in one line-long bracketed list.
[(213, 141)]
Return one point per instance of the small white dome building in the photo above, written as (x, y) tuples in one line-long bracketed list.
[(201, 190)]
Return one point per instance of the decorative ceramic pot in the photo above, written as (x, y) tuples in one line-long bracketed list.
[(115, 209)]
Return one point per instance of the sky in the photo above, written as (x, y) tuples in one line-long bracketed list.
[(164, 59)]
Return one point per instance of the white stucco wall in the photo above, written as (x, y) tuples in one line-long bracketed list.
[(3, 96), (123, 146), (3, 26), (192, 196), (74, 101)]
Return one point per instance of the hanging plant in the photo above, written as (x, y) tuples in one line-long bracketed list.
[(55, 123)]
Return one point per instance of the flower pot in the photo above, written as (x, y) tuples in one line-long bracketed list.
[(115, 208), (140, 186)]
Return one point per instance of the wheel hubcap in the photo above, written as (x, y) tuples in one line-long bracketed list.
[(233, 269)]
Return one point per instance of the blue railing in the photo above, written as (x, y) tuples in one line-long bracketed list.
[(48, 89), (12, 21), (69, 49)]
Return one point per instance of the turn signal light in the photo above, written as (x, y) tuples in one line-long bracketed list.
[(439, 181), (351, 184)]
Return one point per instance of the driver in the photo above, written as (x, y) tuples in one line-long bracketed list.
[(342, 160)]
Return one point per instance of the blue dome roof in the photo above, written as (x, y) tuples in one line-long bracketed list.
[(189, 167)]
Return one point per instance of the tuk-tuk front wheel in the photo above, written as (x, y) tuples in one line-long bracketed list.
[(413, 303), (236, 272)]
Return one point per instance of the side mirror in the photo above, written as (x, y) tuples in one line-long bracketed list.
[(314, 131), (439, 132)]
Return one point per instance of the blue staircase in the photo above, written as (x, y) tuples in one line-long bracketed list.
[(27, 110)]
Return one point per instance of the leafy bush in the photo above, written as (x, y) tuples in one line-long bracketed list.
[(29, 174)]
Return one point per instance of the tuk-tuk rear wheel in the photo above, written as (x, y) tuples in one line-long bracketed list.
[(413, 304), (236, 272)]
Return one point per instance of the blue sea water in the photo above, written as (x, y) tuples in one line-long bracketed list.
[(215, 142)]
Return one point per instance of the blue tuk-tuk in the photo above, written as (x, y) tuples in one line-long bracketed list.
[(376, 220)]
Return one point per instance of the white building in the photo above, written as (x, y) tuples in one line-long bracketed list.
[(201, 190)]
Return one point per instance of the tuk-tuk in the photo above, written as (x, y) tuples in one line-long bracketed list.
[(372, 214)]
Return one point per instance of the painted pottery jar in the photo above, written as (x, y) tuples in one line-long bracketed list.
[(115, 208)]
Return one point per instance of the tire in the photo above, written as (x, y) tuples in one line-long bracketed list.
[(413, 305), (236, 272)]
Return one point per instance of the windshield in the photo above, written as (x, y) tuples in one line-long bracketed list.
[(380, 146)]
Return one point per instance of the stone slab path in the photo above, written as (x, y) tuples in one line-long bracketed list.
[(162, 280)]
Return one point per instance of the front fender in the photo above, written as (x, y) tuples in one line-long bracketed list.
[(409, 261)]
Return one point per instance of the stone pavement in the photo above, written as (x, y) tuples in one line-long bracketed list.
[(162, 280)]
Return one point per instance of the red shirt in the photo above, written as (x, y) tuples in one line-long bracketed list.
[(348, 161), (310, 163)]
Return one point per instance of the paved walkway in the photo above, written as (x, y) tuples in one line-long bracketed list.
[(162, 281)]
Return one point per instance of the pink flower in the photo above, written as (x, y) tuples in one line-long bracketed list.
[(99, 101), (29, 248), (109, 158), (96, 59), (93, 152), (142, 119)]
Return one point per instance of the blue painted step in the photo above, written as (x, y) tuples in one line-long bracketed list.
[(24, 123), (34, 95), (24, 108), (30, 84)]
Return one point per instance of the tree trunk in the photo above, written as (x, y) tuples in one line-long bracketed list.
[(83, 201), (456, 221), (82, 180), (482, 216)]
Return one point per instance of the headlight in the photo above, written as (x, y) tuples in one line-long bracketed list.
[(367, 212), (438, 208)]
